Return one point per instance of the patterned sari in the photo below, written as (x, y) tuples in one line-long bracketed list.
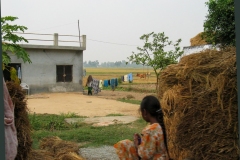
[(152, 146)]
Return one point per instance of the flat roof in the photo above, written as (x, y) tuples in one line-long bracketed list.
[(30, 46)]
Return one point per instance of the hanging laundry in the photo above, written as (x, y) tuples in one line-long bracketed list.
[(109, 82), (113, 84), (105, 83), (19, 73), (100, 84), (130, 77), (125, 78), (95, 86), (122, 78), (116, 82), (11, 142)]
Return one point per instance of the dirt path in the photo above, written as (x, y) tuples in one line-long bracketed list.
[(102, 104)]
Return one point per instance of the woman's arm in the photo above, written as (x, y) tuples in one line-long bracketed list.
[(137, 141), (147, 148)]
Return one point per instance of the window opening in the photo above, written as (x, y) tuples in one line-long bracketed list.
[(64, 73)]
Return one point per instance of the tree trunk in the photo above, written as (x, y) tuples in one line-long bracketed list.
[(157, 75), (157, 84)]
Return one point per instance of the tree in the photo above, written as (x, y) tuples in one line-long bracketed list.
[(93, 63), (153, 52), (118, 63), (219, 26), (10, 40)]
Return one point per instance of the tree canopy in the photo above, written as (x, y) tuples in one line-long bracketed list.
[(10, 40), (219, 26), (154, 52)]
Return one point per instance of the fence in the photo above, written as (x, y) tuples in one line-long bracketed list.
[(53, 39)]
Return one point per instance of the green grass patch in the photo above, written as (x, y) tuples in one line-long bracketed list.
[(46, 125), (132, 101), (51, 121), (114, 114)]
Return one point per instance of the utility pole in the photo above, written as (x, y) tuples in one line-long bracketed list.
[(79, 34), (2, 126)]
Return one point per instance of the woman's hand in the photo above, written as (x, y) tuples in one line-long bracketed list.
[(137, 139)]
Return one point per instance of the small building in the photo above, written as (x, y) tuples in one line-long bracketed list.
[(198, 44), (54, 68)]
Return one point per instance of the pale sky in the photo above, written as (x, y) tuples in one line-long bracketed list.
[(114, 21)]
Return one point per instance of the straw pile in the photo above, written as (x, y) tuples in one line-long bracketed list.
[(199, 99), (197, 40), (41, 155), (52, 148), (62, 150), (47, 155), (21, 120)]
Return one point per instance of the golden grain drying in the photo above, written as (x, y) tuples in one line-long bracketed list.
[(199, 99)]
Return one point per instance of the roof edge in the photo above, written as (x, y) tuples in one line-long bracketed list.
[(30, 46)]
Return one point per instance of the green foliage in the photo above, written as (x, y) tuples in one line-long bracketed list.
[(93, 136), (132, 101), (114, 114), (219, 26), (119, 80), (154, 54), (51, 122), (10, 40)]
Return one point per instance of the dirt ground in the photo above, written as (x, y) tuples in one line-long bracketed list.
[(100, 104)]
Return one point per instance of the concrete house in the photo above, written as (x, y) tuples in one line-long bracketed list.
[(54, 68)]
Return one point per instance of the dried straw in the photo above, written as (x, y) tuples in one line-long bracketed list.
[(60, 148), (197, 40), (41, 155), (52, 148), (199, 99), (22, 122)]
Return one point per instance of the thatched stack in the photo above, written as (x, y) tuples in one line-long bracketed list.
[(62, 150), (22, 122), (199, 99), (41, 155), (197, 40)]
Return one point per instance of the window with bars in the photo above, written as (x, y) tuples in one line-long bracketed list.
[(64, 73)]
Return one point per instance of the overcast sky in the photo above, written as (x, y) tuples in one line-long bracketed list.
[(114, 21)]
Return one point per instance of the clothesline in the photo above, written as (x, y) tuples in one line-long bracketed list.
[(98, 85), (127, 78)]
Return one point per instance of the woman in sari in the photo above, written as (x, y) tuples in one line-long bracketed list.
[(152, 143)]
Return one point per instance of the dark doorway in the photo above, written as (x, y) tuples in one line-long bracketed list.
[(6, 71)]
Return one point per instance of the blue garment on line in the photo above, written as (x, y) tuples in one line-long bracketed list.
[(112, 82), (105, 83), (130, 77), (116, 82)]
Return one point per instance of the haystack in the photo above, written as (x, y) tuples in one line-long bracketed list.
[(41, 155), (63, 150), (198, 40), (199, 99), (22, 122)]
